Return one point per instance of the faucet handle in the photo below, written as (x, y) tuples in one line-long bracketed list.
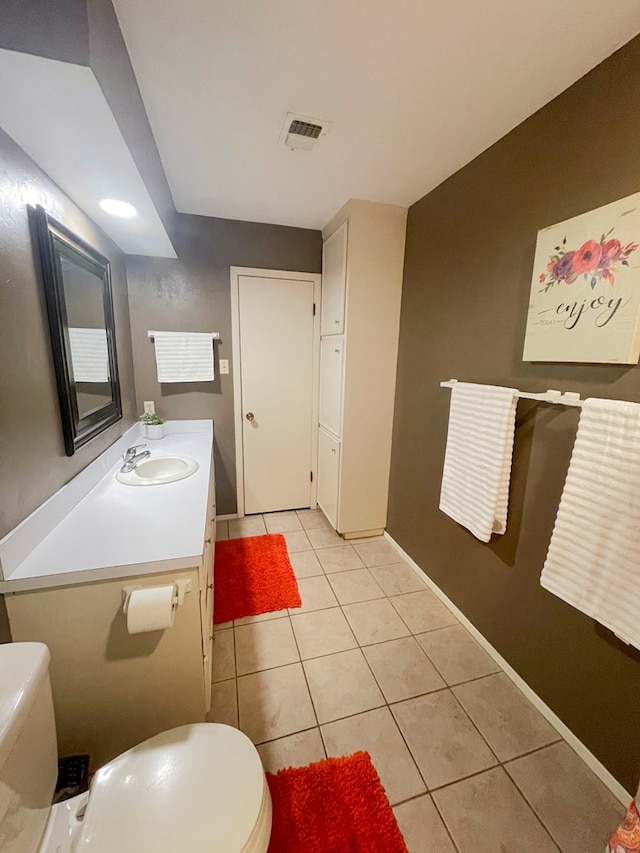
[(131, 451), (136, 446)]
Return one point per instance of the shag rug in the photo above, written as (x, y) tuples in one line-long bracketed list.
[(333, 806), (252, 576)]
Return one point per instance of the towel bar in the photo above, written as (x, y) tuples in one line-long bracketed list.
[(568, 398), (214, 335)]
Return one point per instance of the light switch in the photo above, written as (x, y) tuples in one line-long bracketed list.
[(224, 365)]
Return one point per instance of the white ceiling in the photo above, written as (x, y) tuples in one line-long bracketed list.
[(414, 90), (75, 139)]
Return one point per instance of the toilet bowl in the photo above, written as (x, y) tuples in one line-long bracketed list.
[(196, 788)]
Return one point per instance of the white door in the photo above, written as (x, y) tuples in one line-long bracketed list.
[(328, 474), (334, 281), (331, 357), (276, 339)]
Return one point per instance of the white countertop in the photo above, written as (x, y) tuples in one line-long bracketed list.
[(116, 530)]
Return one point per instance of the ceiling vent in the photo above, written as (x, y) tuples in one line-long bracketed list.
[(300, 133)]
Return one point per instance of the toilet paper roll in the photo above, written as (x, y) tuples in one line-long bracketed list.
[(151, 609)]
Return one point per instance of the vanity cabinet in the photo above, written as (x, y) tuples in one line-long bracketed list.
[(362, 285), (112, 689)]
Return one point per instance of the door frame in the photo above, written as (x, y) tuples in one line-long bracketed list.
[(316, 280)]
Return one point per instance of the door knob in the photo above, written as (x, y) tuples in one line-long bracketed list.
[(250, 416)]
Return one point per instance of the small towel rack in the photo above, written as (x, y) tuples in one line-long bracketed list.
[(566, 398), (214, 335)]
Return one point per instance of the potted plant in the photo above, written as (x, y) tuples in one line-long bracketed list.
[(154, 425)]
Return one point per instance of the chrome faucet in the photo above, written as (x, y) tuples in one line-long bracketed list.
[(131, 458)]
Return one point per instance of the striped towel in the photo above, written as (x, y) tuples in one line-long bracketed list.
[(184, 356), (593, 561), (89, 354), (477, 462)]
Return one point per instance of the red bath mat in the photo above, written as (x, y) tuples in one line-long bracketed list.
[(335, 806), (252, 576)]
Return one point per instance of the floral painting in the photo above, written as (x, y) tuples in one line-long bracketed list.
[(585, 290)]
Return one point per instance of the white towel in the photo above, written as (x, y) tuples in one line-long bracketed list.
[(184, 356), (89, 355), (593, 561), (477, 462)]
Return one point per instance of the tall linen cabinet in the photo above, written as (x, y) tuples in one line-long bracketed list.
[(362, 269)]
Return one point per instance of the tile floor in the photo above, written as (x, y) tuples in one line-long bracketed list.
[(373, 660)]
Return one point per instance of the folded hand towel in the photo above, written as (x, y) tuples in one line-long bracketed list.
[(184, 356), (477, 462), (592, 562), (89, 355)]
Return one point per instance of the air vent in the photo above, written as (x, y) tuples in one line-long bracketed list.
[(302, 132)]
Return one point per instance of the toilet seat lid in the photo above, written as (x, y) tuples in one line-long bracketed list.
[(194, 788)]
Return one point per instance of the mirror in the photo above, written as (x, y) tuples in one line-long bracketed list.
[(77, 288)]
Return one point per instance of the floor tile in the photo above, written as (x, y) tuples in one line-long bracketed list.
[(353, 586), (574, 805), (316, 594), (322, 632), (312, 519), (224, 704), (375, 622), (261, 617), (265, 645), (324, 537), (487, 814), (422, 827), (456, 654), (222, 530), (342, 685), (397, 578), (402, 669), (377, 553), (222, 626), (339, 559), (423, 611), (296, 750), (281, 522), (274, 703), (250, 525), (377, 733), (305, 564), (297, 541), (223, 660), (442, 739), (505, 717)]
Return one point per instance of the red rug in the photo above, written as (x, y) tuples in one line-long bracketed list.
[(252, 576), (334, 806)]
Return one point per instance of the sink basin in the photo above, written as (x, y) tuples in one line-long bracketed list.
[(158, 470)]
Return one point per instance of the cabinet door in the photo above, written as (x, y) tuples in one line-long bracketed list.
[(331, 360), (328, 475), (334, 279)]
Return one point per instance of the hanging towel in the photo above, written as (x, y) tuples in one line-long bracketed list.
[(477, 462), (594, 554), (89, 355), (184, 356)]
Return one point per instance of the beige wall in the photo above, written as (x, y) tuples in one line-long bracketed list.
[(33, 463), (193, 294), (468, 266)]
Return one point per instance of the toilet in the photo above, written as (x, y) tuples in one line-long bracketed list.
[(195, 788)]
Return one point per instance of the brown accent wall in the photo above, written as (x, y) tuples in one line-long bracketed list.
[(193, 294), (468, 266), (33, 463)]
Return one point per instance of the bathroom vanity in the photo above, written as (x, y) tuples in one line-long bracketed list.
[(67, 569)]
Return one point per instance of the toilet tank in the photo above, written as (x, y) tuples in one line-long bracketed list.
[(28, 749)]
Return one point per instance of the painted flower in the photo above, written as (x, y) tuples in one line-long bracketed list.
[(587, 257), (563, 267), (610, 251)]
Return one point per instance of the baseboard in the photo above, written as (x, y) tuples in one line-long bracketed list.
[(588, 757), (228, 517)]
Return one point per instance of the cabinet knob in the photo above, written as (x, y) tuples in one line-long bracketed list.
[(208, 541), (333, 450), (209, 586), (250, 416), (337, 322)]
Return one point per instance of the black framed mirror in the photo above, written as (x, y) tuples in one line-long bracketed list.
[(77, 286)]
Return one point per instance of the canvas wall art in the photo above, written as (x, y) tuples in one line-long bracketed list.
[(585, 291)]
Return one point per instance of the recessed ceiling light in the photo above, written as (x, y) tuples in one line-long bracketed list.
[(118, 208)]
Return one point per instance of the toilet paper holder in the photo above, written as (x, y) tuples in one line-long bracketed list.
[(184, 586)]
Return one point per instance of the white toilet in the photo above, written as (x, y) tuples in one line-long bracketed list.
[(196, 788)]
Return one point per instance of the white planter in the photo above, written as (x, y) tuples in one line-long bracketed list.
[(154, 430)]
